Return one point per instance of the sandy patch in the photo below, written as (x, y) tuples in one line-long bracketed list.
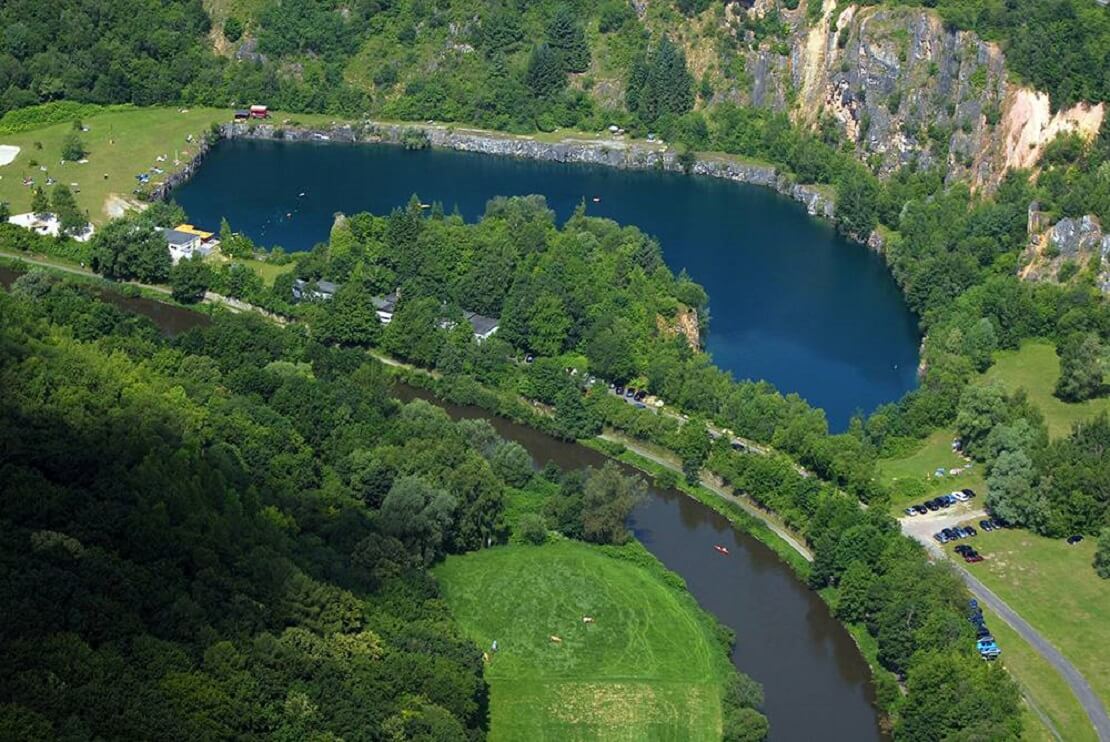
[(116, 206), (8, 153)]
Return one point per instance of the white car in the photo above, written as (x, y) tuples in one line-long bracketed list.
[(960, 496), (911, 511)]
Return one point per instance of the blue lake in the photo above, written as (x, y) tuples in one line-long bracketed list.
[(791, 301)]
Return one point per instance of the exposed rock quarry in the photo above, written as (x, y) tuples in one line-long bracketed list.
[(684, 323), (903, 87), (1069, 242)]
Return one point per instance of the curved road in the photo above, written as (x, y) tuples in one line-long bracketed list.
[(922, 527)]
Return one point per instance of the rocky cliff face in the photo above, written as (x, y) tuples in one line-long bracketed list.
[(899, 86), (1069, 248)]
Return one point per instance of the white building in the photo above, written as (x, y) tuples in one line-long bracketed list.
[(48, 225)]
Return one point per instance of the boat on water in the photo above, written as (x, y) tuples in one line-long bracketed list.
[(721, 549)]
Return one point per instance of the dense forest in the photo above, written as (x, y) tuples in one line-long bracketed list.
[(388, 56), (225, 535)]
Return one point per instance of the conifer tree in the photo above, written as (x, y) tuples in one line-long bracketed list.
[(568, 41)]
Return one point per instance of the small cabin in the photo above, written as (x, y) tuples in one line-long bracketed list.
[(242, 114)]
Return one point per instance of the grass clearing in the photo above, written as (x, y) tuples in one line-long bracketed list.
[(121, 144), (1054, 588), (1035, 368), (650, 667), (919, 467)]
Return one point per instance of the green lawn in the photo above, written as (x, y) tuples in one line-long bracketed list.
[(1035, 368), (121, 144), (1054, 588), (935, 451), (648, 668)]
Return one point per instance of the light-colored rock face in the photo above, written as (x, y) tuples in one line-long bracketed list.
[(1030, 124)]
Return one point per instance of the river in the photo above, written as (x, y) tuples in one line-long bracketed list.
[(817, 685), (791, 301)]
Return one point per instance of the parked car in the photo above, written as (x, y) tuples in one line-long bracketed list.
[(921, 509), (942, 537), (986, 525), (630, 392), (911, 510), (529, 358), (1073, 540), (983, 632), (618, 390), (640, 395), (963, 549), (968, 492), (970, 530), (972, 556), (950, 533), (949, 500), (960, 496), (932, 505)]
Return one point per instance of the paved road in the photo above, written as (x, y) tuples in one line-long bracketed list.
[(922, 527)]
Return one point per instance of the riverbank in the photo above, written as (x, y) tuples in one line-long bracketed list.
[(575, 147)]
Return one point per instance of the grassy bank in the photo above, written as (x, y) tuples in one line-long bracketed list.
[(648, 667), (1035, 368)]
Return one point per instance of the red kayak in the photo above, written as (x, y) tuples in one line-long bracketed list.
[(720, 549)]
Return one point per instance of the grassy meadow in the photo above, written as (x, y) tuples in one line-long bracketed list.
[(649, 667), (1035, 368)]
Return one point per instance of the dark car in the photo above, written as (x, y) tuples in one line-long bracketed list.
[(618, 390), (963, 549), (970, 531), (932, 505), (1073, 540), (986, 525), (950, 533), (968, 492), (630, 392), (983, 632), (972, 557), (942, 537), (921, 509), (641, 395)]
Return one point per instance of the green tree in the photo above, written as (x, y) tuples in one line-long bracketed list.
[(981, 408), (1010, 488), (70, 218), (548, 324), (349, 317), (608, 499), (857, 201), (419, 515), (532, 529), (1081, 368), (512, 463), (40, 203), (659, 84), (130, 249), (190, 279), (567, 39), (545, 76), (413, 333), (693, 446), (73, 149), (1102, 554), (233, 29), (855, 587), (5, 211)]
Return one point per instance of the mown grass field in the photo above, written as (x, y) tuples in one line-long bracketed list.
[(1054, 588), (1035, 368), (648, 668), (121, 144)]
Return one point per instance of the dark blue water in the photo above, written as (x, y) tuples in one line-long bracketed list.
[(790, 300)]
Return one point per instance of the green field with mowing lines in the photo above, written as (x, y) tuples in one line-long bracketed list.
[(650, 667), (1035, 368)]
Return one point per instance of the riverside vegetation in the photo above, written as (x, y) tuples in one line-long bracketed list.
[(228, 534)]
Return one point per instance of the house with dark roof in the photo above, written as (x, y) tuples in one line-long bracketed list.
[(484, 327), (385, 306), (313, 290), (184, 244)]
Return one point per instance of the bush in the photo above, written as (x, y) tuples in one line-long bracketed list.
[(532, 529)]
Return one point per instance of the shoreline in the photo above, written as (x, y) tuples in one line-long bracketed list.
[(620, 154)]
